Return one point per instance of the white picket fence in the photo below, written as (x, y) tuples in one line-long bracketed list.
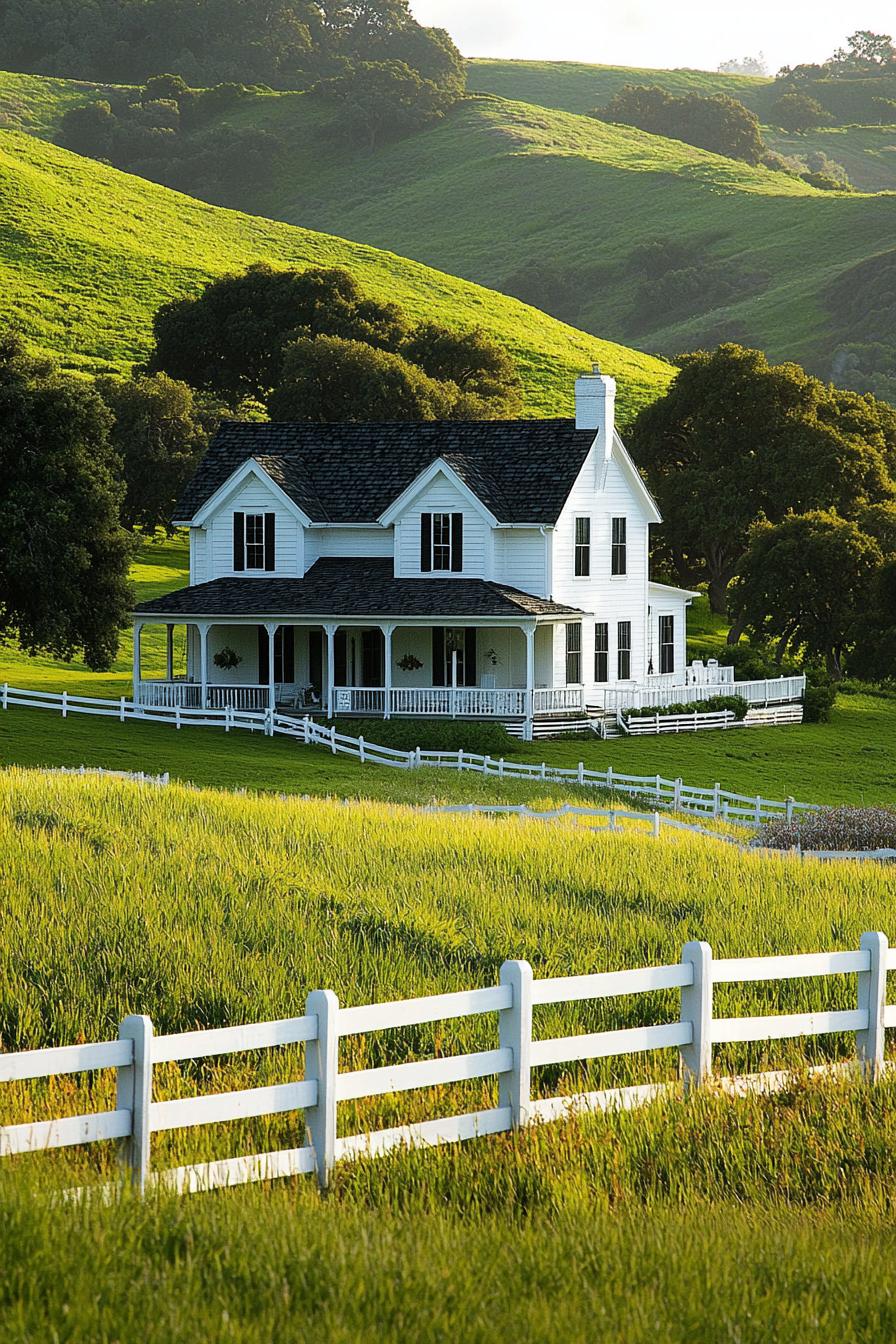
[(674, 793), (323, 1086), (638, 724)]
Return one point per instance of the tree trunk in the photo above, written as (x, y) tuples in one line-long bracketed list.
[(718, 594), (737, 629)]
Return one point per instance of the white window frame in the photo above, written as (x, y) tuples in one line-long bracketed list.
[(618, 548), (441, 550), (581, 567), (256, 546), (623, 649), (667, 644)]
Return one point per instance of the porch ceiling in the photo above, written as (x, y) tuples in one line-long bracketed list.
[(351, 588)]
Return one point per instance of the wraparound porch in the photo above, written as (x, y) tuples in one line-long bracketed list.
[(460, 669)]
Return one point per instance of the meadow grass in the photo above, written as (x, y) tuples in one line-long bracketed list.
[(88, 254), (849, 760), (767, 1217)]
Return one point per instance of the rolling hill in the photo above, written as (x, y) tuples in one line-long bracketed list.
[(88, 253)]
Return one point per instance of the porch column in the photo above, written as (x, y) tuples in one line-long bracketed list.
[(203, 628), (330, 632), (388, 630), (169, 652), (138, 631), (529, 632), (272, 627)]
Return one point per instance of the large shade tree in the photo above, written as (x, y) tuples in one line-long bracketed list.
[(330, 380), (737, 439), (64, 554), (802, 582)]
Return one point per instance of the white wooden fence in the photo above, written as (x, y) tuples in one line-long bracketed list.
[(516, 1053), (636, 725), (674, 793)]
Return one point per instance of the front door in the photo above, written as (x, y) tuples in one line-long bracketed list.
[(448, 642)]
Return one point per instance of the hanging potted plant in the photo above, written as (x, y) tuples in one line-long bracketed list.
[(409, 663), (227, 659)]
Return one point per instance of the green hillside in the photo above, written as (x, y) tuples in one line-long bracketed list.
[(572, 86), (551, 206), (868, 153), (87, 254)]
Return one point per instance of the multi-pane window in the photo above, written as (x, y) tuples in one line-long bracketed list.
[(667, 643), (574, 654), (255, 541), (602, 651), (618, 559), (441, 542), (583, 548), (624, 650)]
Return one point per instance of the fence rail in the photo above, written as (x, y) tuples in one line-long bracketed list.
[(516, 1052), (673, 793)]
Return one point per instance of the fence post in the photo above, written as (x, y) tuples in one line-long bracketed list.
[(788, 809), (716, 799), (177, 717), (134, 1093), (269, 722), (676, 794), (460, 758), (501, 768), (656, 825), (696, 1008), (333, 739), (758, 814), (120, 709), (65, 704), (6, 695), (581, 772), (322, 1067), (486, 761), (609, 776), (873, 1000), (515, 1033), (659, 780), (361, 749)]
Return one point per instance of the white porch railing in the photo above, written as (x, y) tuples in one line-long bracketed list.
[(773, 691), (457, 702), (188, 695), (169, 694)]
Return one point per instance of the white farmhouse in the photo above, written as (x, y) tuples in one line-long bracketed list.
[(490, 570)]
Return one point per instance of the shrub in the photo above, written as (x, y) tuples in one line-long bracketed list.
[(831, 828), (714, 705), (487, 739), (798, 112), (819, 696)]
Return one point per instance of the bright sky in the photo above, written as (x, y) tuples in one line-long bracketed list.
[(657, 33)]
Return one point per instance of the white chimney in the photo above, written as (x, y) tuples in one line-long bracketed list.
[(596, 406)]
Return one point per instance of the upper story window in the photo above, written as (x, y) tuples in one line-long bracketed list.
[(618, 557), (667, 643), (253, 541), (583, 548), (441, 542)]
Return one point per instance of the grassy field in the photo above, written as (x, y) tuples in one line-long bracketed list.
[(849, 760), (87, 254), (764, 1218)]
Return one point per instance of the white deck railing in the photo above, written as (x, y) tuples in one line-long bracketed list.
[(458, 702), (692, 1033), (772, 691), (188, 695)]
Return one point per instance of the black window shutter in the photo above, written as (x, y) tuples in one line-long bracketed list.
[(438, 656), (270, 561), (263, 656), (470, 664), (239, 541), (425, 543), (287, 635), (457, 542)]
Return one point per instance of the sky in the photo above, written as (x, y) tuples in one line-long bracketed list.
[(654, 33)]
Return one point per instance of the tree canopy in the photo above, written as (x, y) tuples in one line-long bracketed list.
[(736, 440), (64, 555), (802, 582), (715, 122), (331, 380), (230, 340), (160, 433)]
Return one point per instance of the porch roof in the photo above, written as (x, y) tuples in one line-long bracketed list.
[(351, 587)]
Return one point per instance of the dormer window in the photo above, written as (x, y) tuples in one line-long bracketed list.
[(441, 542), (253, 541)]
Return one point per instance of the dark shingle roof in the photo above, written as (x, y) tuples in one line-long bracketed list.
[(351, 587), (522, 470)]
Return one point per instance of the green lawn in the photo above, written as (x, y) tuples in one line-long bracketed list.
[(848, 760), (88, 254)]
